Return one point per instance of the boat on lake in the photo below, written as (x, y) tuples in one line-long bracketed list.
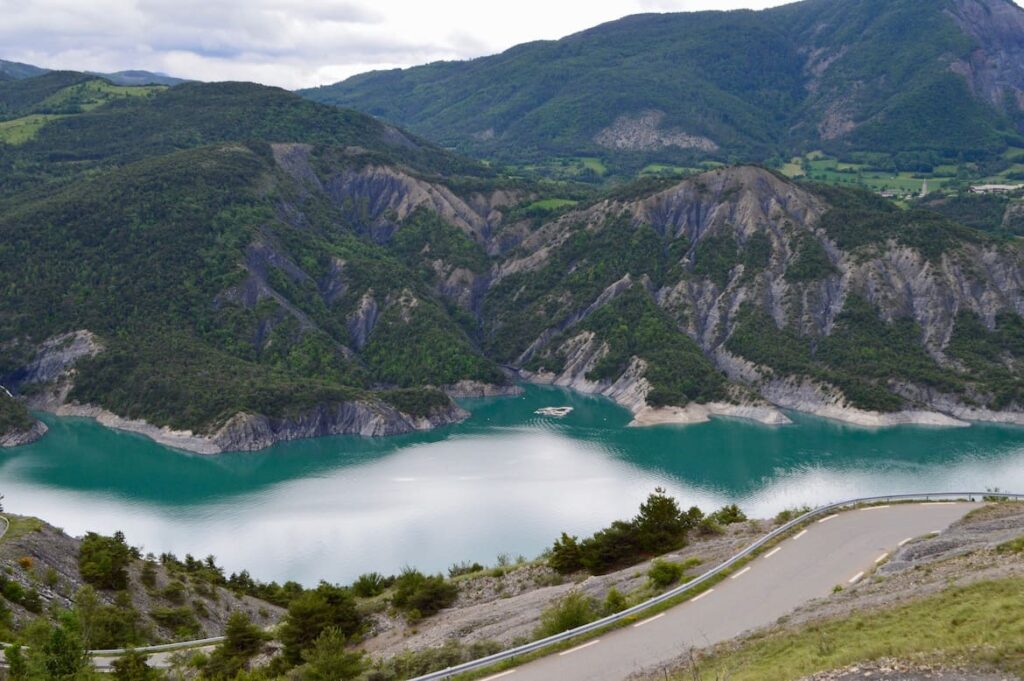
[(557, 412)]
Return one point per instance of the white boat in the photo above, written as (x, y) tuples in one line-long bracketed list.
[(557, 412)]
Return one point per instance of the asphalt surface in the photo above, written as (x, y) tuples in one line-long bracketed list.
[(836, 550)]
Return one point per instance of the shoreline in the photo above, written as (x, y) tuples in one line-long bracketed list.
[(643, 416), (630, 397)]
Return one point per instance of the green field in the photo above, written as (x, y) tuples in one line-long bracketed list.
[(94, 93), (21, 130), (822, 168), (552, 204)]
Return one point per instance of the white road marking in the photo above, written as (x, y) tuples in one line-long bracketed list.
[(906, 541), (578, 648), (856, 577), (825, 520), (881, 558), (800, 535), (741, 573), (648, 621), (697, 598), (773, 552), (874, 508), (499, 676)]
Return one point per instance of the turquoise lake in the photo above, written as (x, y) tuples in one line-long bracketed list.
[(505, 481)]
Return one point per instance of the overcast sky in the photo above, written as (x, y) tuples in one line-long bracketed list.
[(295, 43)]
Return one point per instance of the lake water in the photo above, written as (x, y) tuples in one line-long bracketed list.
[(505, 481)]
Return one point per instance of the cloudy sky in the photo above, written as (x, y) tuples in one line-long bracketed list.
[(294, 43)]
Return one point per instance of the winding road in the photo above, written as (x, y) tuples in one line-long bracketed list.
[(837, 550)]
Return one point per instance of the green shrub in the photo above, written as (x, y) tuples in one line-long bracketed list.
[(572, 610), (328, 659), (371, 584), (103, 561), (785, 515), (709, 528), (565, 557), (315, 610), (148, 574), (426, 595), (108, 626), (242, 642), (132, 666), (662, 573), (729, 515), (180, 620), (614, 602), (174, 592), (464, 568)]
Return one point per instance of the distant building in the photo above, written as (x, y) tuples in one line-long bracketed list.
[(995, 188)]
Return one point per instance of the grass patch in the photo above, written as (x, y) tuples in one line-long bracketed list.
[(551, 204), (1012, 546), (20, 526), (978, 624), (24, 129)]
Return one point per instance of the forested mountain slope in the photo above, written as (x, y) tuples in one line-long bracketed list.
[(942, 76), (225, 266)]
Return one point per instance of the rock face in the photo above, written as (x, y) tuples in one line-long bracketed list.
[(478, 389), (732, 209), (644, 132), (23, 437), (995, 70), (248, 432)]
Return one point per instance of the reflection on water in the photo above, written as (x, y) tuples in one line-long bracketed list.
[(505, 481)]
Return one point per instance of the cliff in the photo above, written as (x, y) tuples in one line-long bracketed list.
[(830, 302)]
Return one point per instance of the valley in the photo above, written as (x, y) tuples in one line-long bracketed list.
[(402, 357)]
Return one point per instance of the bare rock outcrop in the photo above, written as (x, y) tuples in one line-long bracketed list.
[(643, 132)]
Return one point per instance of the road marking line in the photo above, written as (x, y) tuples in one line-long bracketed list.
[(856, 577), (741, 573), (881, 558), (578, 648), (825, 520), (697, 598), (499, 676), (800, 535), (906, 541), (773, 552), (874, 508), (648, 621)]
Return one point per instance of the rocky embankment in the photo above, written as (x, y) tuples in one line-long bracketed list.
[(18, 438), (43, 559)]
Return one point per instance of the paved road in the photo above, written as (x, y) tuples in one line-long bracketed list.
[(832, 551)]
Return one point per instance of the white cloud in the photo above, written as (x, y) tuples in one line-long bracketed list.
[(294, 43)]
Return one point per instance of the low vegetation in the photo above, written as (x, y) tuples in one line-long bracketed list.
[(661, 526), (972, 625)]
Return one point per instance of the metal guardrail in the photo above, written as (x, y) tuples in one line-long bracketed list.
[(162, 648), (540, 644)]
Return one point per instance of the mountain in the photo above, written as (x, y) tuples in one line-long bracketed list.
[(10, 70), (137, 77), (224, 266), (942, 77), (168, 251)]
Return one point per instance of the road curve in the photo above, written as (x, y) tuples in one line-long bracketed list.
[(833, 551)]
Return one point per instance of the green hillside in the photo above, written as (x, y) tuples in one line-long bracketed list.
[(864, 74)]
